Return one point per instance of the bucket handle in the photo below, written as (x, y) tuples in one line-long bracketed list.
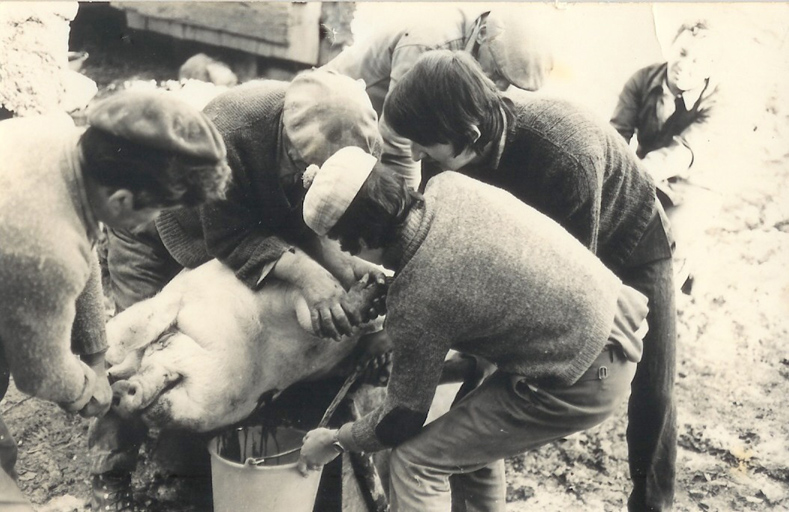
[(257, 461)]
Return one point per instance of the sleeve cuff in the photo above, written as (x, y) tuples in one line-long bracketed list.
[(345, 436), (268, 267)]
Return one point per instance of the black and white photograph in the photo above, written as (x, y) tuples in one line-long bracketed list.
[(399, 256)]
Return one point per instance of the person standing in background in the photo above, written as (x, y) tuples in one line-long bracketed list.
[(511, 48)]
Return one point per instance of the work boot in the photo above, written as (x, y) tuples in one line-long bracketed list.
[(113, 493)]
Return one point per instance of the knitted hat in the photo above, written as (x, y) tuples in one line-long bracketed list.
[(520, 48), (332, 187), (325, 111), (158, 120)]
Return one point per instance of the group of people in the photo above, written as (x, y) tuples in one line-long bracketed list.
[(521, 231)]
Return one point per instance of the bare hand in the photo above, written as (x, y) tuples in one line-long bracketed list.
[(363, 268), (100, 402), (318, 450), (376, 358), (324, 296)]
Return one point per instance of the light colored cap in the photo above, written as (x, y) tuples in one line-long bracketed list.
[(158, 120), (332, 187), (521, 49), (325, 111)]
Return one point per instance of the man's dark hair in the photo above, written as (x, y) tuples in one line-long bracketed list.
[(157, 178), (441, 98), (375, 214)]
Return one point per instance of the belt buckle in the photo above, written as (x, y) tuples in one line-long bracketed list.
[(602, 373)]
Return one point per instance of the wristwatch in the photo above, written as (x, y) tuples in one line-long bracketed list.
[(336, 442)]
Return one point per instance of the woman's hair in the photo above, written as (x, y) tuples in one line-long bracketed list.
[(441, 98), (378, 210), (157, 178)]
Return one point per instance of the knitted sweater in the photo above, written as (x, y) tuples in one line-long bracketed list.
[(50, 292), (256, 223), (561, 161), (480, 272)]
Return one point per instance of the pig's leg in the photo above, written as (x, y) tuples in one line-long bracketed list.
[(128, 367), (144, 322)]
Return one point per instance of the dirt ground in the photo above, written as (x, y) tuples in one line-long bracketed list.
[(732, 388)]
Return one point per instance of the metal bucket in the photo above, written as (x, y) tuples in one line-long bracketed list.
[(254, 469)]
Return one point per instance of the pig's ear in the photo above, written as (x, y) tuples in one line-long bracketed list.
[(141, 324)]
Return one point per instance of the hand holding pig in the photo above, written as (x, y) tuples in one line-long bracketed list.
[(101, 400), (96, 396), (324, 294)]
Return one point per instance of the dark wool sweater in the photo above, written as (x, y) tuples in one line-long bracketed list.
[(480, 272), (558, 159), (256, 222)]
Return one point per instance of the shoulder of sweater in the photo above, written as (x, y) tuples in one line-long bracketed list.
[(247, 103), (34, 131), (445, 26), (561, 123)]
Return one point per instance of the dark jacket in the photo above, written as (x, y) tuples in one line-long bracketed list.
[(636, 113)]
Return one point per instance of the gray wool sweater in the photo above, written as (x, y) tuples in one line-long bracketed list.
[(50, 289), (478, 271)]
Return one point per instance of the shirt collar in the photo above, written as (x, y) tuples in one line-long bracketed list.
[(474, 30), (73, 168), (499, 149), (689, 98)]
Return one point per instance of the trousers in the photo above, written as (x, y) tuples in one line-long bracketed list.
[(11, 497), (457, 462), (652, 416)]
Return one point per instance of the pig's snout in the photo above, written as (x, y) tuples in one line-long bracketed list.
[(136, 394), (127, 397)]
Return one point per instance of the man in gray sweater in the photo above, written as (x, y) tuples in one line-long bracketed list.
[(142, 152), (478, 271)]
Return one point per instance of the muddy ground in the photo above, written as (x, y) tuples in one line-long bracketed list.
[(733, 364)]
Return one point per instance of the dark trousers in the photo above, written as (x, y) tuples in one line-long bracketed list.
[(139, 266), (11, 498), (457, 461), (652, 421)]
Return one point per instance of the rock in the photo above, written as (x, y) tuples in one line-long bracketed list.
[(206, 69), (773, 492), (34, 52), (65, 503)]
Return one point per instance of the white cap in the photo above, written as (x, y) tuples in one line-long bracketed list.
[(332, 187)]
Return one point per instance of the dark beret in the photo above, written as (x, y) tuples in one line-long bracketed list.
[(159, 120)]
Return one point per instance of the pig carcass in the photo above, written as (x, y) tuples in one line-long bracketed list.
[(200, 354)]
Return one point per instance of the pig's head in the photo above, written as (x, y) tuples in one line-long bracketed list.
[(200, 354)]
